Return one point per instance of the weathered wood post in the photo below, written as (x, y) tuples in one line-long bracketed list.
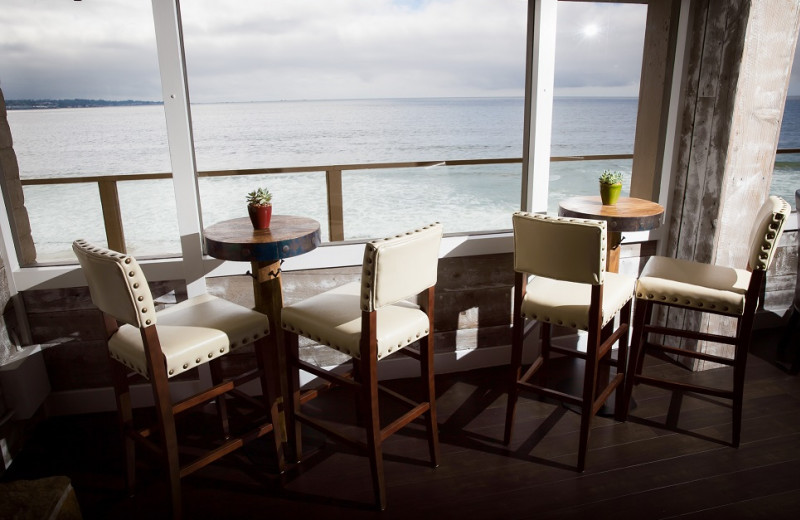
[(740, 55)]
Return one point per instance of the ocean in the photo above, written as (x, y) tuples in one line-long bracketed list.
[(230, 136)]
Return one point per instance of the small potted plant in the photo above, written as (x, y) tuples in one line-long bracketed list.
[(259, 207), (610, 187)]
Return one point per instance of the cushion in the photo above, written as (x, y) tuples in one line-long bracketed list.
[(192, 333), (567, 303), (694, 285), (333, 318)]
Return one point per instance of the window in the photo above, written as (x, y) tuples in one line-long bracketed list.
[(597, 72), (786, 175), (323, 84), (273, 86), (90, 59)]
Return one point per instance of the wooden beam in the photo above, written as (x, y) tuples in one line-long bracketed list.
[(654, 96)]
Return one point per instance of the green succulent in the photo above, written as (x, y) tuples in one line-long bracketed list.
[(259, 197), (609, 177)]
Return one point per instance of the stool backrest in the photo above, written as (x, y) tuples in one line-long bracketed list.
[(766, 232), (399, 267), (117, 284), (569, 249)]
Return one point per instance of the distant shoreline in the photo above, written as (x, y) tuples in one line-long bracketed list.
[(38, 104), (35, 104)]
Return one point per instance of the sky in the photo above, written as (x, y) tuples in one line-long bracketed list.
[(257, 50)]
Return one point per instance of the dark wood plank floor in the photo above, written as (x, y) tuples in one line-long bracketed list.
[(670, 460)]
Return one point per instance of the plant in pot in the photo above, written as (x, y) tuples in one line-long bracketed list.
[(610, 187), (259, 207)]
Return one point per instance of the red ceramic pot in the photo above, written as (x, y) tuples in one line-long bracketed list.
[(260, 215)]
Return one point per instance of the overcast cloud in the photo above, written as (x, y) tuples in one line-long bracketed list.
[(247, 50)]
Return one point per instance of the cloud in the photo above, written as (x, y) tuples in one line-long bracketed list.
[(314, 49), (373, 48), (92, 49), (599, 48)]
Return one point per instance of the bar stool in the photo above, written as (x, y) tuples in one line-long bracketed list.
[(368, 321), (570, 288), (713, 289), (161, 345)]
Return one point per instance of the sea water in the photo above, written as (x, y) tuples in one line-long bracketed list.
[(236, 136)]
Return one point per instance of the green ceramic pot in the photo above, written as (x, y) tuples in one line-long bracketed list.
[(609, 193)]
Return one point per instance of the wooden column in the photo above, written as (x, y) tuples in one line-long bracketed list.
[(739, 59), (658, 61)]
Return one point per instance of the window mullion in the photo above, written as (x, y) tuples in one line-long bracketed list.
[(539, 81), (175, 91)]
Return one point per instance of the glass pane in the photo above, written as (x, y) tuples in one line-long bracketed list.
[(84, 101), (296, 194), (786, 175), (55, 226), (143, 205), (456, 196), (320, 83), (598, 64)]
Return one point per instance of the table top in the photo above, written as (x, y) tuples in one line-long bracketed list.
[(629, 214), (287, 236)]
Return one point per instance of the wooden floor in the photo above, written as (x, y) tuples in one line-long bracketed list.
[(640, 469)]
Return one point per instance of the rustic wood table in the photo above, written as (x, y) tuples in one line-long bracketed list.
[(629, 214), (265, 249)]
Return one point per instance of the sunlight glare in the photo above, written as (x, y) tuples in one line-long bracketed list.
[(591, 30)]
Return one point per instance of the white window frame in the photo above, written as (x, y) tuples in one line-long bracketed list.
[(194, 266)]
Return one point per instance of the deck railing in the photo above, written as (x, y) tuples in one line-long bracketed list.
[(112, 216)]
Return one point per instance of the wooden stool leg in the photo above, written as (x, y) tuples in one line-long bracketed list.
[(515, 369), (159, 382), (545, 342), (125, 415), (222, 407), (355, 365), (291, 403), (427, 375), (744, 331), (589, 392), (515, 373), (371, 415), (641, 311), (169, 440), (621, 404)]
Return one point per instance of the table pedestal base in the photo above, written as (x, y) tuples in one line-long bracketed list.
[(268, 292)]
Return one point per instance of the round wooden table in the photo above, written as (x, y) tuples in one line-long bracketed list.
[(629, 214), (286, 237), (265, 249)]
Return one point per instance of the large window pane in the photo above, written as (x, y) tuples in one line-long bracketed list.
[(598, 64), (786, 175), (319, 83), (91, 59)]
